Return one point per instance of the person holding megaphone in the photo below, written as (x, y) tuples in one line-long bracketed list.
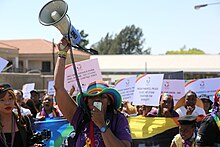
[(94, 114)]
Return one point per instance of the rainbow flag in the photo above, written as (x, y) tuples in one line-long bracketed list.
[(60, 128)]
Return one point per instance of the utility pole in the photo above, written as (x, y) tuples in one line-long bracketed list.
[(53, 47)]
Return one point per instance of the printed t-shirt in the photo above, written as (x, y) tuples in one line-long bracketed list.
[(118, 125)]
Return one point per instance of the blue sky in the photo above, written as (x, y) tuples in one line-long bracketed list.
[(167, 25)]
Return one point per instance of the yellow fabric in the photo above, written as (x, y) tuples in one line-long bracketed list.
[(218, 123), (145, 127), (88, 143), (131, 109), (178, 140)]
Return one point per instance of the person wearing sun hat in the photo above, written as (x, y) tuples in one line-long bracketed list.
[(209, 132), (97, 88), (94, 114), (190, 105)]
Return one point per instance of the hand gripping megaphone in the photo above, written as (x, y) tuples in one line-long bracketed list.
[(54, 13)]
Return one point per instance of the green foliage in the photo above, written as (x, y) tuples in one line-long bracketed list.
[(104, 45), (128, 41), (184, 51)]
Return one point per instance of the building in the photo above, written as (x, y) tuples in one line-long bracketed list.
[(38, 56), (31, 61), (33, 55), (114, 67)]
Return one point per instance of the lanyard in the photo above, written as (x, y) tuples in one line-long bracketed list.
[(90, 142), (3, 138), (91, 134)]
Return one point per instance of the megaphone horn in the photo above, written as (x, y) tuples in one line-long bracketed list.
[(54, 13)]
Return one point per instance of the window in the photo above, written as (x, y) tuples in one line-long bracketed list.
[(46, 66)]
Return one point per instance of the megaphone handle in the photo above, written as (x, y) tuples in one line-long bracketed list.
[(73, 35)]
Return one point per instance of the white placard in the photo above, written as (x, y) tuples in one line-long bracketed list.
[(203, 86), (50, 87), (125, 87), (87, 70), (148, 89), (174, 87), (3, 63), (26, 88)]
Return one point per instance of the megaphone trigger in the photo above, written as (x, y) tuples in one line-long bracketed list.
[(74, 35)]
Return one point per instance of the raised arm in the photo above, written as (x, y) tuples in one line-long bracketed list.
[(67, 105)]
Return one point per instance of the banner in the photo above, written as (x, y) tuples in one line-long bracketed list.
[(203, 86), (125, 87), (148, 89), (60, 128), (152, 131), (87, 70), (174, 87)]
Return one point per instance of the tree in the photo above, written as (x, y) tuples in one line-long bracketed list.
[(184, 51), (104, 45), (128, 41)]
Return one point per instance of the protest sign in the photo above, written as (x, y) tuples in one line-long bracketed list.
[(26, 88), (50, 87), (174, 87), (203, 86), (3, 63), (87, 70), (125, 87), (148, 89)]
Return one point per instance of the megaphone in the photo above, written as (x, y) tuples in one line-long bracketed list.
[(54, 13)]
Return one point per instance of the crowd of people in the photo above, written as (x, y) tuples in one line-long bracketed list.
[(99, 116)]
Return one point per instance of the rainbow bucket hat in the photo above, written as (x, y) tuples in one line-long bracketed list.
[(96, 88)]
